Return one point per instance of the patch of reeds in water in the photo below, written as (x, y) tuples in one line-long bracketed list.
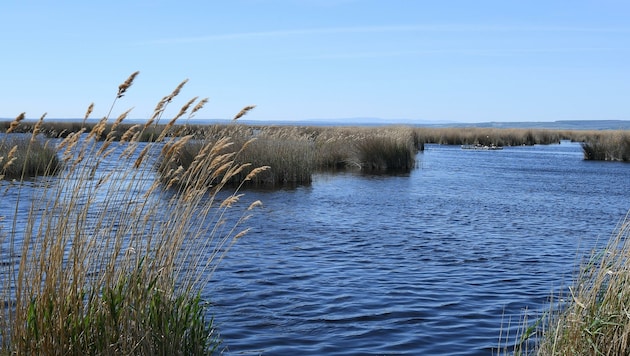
[(491, 136), (24, 156), (292, 154), (607, 146), (109, 262)]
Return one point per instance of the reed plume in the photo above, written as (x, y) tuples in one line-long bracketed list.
[(122, 88), (16, 122), (243, 112)]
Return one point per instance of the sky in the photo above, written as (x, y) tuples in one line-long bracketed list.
[(398, 60)]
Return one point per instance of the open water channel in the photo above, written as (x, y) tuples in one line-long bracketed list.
[(436, 262)]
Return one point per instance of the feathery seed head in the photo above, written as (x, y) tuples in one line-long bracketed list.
[(244, 111), (88, 112), (16, 122), (122, 88), (256, 171), (38, 127), (10, 158), (176, 91), (198, 107)]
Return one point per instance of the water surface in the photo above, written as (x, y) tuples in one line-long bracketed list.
[(425, 263)]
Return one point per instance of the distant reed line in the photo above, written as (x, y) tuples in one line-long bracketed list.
[(295, 152)]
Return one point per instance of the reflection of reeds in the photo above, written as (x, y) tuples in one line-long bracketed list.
[(109, 262)]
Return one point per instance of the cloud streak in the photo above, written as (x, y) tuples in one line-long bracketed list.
[(455, 28), (502, 52)]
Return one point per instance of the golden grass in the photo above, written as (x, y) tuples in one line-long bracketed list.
[(108, 261)]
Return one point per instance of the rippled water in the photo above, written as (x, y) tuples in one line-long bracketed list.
[(437, 261), (425, 263)]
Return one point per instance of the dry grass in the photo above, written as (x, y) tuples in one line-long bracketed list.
[(109, 262)]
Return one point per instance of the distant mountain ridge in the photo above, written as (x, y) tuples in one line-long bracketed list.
[(557, 125)]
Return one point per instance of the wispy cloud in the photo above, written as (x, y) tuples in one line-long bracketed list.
[(498, 52), (384, 29)]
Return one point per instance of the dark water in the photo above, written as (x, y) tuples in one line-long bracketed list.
[(433, 262)]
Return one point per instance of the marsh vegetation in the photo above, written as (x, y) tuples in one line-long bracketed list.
[(107, 261), (294, 153)]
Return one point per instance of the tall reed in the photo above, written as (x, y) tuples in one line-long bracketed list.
[(107, 261)]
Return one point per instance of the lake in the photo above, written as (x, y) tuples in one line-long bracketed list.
[(442, 260), (437, 261)]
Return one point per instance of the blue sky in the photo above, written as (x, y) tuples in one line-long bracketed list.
[(403, 60)]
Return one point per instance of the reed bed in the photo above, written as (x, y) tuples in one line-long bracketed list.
[(291, 154), (593, 318), (27, 157), (493, 136), (334, 152), (607, 146), (108, 261)]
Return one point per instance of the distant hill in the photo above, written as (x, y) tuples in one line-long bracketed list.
[(557, 125)]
